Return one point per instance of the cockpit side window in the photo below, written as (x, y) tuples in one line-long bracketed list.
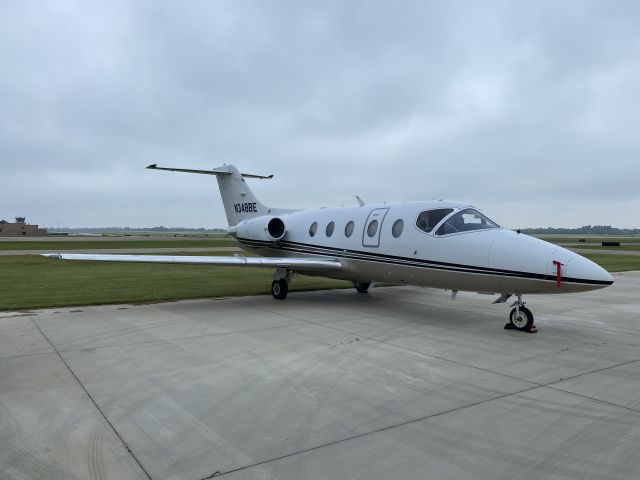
[(428, 220), (465, 221)]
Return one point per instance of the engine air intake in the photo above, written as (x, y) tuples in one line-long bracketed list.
[(276, 228)]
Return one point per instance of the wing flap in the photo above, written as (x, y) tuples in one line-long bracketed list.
[(236, 260)]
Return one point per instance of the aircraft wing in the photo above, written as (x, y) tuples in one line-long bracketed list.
[(236, 260)]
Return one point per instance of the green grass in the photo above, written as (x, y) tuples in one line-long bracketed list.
[(28, 282), (588, 239), (56, 246), (615, 263), (627, 248)]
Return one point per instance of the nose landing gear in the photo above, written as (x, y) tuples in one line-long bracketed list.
[(521, 317)]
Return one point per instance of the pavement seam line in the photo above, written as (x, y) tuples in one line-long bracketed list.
[(417, 352), (542, 385), (124, 444), (622, 364), (536, 384), (545, 385), (597, 400), (435, 415), (27, 355), (378, 430)]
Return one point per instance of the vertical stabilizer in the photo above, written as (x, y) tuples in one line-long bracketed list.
[(237, 198), (239, 201)]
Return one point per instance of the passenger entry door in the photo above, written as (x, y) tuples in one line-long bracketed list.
[(373, 227)]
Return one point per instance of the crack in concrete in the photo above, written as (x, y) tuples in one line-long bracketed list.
[(126, 446)]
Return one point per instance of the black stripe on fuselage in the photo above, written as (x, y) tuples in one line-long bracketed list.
[(310, 249)]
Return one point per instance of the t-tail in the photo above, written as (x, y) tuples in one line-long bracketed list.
[(239, 201)]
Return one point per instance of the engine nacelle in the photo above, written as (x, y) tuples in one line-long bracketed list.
[(270, 229), (276, 229)]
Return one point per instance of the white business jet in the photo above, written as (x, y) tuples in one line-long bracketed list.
[(437, 243)]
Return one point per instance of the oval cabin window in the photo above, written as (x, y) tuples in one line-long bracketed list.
[(348, 228), (396, 230), (313, 228), (330, 227), (372, 228)]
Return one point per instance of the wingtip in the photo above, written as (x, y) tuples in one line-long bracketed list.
[(153, 165), (57, 256)]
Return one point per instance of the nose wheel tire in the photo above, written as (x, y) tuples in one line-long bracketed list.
[(521, 319), (279, 289), (362, 287)]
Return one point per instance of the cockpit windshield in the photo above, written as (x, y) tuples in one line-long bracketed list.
[(428, 220), (465, 221)]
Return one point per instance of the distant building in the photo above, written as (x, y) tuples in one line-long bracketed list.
[(20, 229)]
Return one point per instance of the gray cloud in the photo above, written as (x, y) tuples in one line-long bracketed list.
[(526, 110)]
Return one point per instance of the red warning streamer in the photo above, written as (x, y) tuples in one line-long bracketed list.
[(558, 272)]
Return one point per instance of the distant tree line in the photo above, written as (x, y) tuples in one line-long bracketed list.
[(585, 230), (137, 229)]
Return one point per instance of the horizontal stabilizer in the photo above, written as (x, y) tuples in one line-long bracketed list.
[(237, 260), (215, 171)]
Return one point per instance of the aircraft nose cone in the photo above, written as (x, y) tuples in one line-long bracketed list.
[(584, 269)]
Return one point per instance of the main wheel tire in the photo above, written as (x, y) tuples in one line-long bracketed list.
[(279, 289), (521, 318), (362, 287)]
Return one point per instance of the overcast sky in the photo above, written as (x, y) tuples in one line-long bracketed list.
[(528, 110)]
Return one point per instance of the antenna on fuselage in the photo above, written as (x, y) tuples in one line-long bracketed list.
[(360, 202)]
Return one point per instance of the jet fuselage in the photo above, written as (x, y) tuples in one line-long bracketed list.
[(486, 258)]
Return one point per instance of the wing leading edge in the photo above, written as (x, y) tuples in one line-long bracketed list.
[(236, 260)]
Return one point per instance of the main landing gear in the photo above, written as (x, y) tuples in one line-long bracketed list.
[(279, 289), (362, 287), (520, 317), (280, 284)]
